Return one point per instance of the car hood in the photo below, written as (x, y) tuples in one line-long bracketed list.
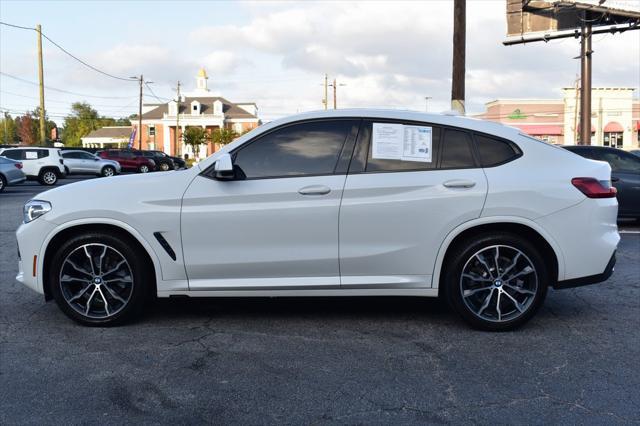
[(122, 198)]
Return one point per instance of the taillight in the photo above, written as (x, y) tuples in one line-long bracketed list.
[(18, 165), (593, 188)]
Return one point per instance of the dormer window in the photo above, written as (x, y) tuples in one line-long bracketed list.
[(173, 108), (195, 108), (217, 107)]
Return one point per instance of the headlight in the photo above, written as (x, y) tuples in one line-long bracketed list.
[(33, 209)]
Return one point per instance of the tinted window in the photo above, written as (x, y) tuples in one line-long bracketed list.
[(14, 154), (382, 165), (619, 161), (494, 151), (301, 149), (456, 150), (71, 154), (86, 156), (125, 154)]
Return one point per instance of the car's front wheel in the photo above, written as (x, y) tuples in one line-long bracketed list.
[(496, 281), (2, 183), (108, 171), (99, 279), (143, 169), (48, 177), (164, 167)]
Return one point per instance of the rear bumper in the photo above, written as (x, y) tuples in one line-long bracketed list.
[(591, 279)]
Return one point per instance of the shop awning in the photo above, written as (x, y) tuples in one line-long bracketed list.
[(540, 129), (613, 126)]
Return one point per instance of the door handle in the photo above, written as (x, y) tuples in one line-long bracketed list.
[(314, 190), (459, 183), (615, 179)]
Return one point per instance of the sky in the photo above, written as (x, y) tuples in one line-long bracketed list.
[(389, 54)]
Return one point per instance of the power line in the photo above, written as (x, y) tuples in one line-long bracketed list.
[(61, 90), (154, 95), (56, 101), (69, 53)]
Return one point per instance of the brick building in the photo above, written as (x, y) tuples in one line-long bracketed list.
[(615, 118), (200, 108)]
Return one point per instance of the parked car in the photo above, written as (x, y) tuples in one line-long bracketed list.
[(163, 163), (635, 152), (128, 160), (10, 173), (43, 164), (79, 162), (625, 175), (178, 163), (334, 203)]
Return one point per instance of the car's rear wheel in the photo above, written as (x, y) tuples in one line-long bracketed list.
[(99, 279), (497, 281), (143, 169), (164, 167), (48, 177), (108, 171), (2, 183)]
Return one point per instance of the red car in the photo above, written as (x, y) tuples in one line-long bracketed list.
[(129, 161)]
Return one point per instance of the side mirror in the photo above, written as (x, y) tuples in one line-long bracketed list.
[(96, 159), (224, 168)]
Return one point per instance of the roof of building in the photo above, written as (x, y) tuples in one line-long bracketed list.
[(111, 132), (230, 109)]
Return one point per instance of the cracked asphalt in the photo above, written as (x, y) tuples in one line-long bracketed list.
[(320, 361)]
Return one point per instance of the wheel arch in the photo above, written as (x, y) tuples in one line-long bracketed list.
[(532, 231), (59, 235)]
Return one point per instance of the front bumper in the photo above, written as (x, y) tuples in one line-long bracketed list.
[(30, 238), (591, 279)]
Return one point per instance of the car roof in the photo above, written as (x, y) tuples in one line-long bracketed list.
[(445, 119)]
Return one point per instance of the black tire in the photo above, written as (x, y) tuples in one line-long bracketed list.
[(66, 170), (48, 177), (3, 183), (108, 171), (462, 301), (137, 294), (144, 169)]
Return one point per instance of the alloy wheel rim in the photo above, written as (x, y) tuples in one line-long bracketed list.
[(164, 167), (498, 283), (108, 171), (144, 169), (96, 281), (50, 178)]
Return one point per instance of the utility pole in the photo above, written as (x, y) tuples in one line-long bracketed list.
[(459, 49), (585, 82), (426, 103), (43, 130), (335, 92), (325, 101), (140, 115), (175, 135)]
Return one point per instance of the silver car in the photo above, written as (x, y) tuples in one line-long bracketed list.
[(10, 172), (78, 162)]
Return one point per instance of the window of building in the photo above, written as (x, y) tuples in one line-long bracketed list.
[(613, 139), (303, 149), (494, 151), (237, 127), (456, 150), (151, 130)]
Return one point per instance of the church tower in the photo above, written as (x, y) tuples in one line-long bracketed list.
[(201, 81)]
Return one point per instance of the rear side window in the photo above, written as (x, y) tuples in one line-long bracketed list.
[(619, 161), (71, 155), (14, 154), (302, 149), (494, 151), (456, 150)]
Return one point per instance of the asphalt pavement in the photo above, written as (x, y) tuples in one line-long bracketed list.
[(320, 360)]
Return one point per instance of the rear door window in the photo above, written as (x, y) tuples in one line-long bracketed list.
[(386, 165), (14, 154), (456, 150)]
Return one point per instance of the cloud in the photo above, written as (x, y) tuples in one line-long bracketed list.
[(221, 62)]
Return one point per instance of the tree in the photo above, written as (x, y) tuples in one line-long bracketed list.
[(223, 136), (82, 120), (27, 130), (195, 136), (8, 133)]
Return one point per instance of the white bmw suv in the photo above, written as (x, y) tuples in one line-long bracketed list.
[(334, 203)]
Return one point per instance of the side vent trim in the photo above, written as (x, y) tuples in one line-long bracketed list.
[(165, 245)]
